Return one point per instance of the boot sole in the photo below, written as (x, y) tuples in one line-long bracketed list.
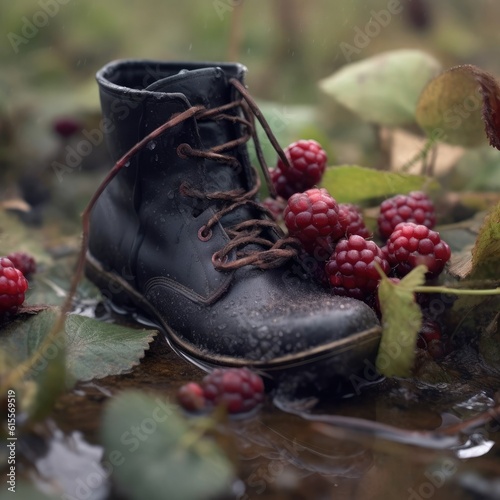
[(357, 350)]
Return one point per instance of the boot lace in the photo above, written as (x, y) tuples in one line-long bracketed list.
[(250, 232)]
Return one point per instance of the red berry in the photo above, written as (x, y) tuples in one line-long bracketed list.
[(66, 127), (13, 285), (351, 219), (275, 207), (191, 397), (415, 207), (307, 164), (411, 245), (23, 261), (313, 218), (238, 389), (351, 268)]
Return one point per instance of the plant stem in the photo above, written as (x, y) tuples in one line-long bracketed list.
[(455, 291), (419, 156)]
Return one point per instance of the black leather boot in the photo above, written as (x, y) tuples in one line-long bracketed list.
[(179, 237)]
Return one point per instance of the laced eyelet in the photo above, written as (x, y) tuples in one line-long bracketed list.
[(204, 234), (216, 260), (183, 150)]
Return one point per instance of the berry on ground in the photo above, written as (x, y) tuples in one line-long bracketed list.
[(351, 270), (351, 220), (13, 285), (191, 397), (23, 261), (238, 389), (313, 218), (411, 245), (415, 207), (307, 164)]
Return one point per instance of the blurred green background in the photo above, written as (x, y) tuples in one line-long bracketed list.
[(51, 49)]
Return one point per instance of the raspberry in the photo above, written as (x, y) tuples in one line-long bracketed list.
[(351, 269), (13, 284), (307, 164), (24, 262), (313, 218), (411, 245), (415, 207), (238, 389), (352, 221), (191, 397)]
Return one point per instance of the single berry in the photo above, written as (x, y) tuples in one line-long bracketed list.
[(66, 127), (238, 389), (415, 207), (351, 270), (23, 261), (191, 397), (313, 218), (13, 285), (351, 220), (307, 161), (411, 245), (275, 207)]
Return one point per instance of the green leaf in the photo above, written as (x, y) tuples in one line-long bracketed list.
[(401, 322), (383, 89), (450, 108), (19, 341), (486, 251), (96, 349), (93, 349), (355, 184), (157, 455)]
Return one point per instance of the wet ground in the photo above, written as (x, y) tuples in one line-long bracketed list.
[(322, 448)]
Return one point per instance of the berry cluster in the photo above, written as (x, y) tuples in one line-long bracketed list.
[(336, 239), (239, 390)]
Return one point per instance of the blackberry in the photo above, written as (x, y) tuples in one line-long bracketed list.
[(24, 262), (191, 397), (351, 220), (13, 285), (238, 389), (412, 244), (313, 218), (307, 165), (415, 207), (351, 269)]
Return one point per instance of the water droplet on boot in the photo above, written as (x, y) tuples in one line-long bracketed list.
[(151, 145), (127, 164)]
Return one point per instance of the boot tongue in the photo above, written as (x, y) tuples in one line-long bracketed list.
[(209, 87), (205, 86)]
